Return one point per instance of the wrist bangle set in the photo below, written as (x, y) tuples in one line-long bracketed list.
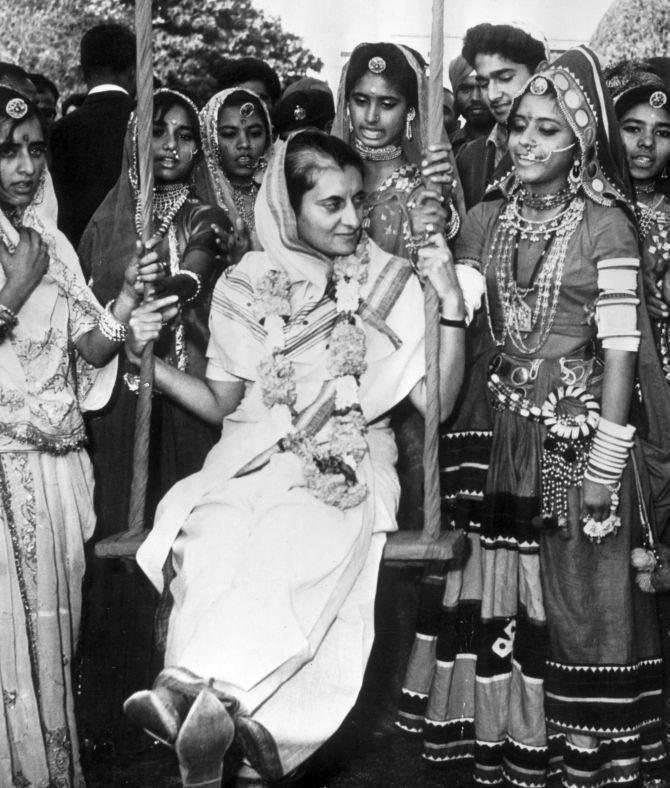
[(7, 320), (609, 452), (111, 328)]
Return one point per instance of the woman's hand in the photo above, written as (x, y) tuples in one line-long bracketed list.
[(146, 268), (436, 264), (146, 322), (596, 501), (24, 268), (427, 213), (437, 170)]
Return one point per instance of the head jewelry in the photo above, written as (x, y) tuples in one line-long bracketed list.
[(16, 108), (377, 65), (247, 109), (658, 99), (539, 86)]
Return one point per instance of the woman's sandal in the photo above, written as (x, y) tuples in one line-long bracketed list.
[(159, 711), (259, 747), (204, 738)]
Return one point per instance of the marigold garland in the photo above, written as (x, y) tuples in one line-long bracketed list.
[(330, 465)]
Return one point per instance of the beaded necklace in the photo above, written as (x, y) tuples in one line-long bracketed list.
[(167, 202), (387, 153), (244, 200), (519, 319), (546, 202)]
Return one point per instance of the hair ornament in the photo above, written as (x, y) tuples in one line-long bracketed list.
[(16, 108), (377, 65), (247, 110), (658, 99), (539, 86), (299, 113)]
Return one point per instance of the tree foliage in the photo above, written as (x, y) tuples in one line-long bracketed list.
[(633, 29), (191, 38)]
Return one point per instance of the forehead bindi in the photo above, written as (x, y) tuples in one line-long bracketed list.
[(541, 108), (645, 114), (24, 133), (376, 85)]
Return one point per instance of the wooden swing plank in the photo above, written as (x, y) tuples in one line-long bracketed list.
[(419, 546)]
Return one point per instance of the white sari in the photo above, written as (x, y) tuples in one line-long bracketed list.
[(274, 592)]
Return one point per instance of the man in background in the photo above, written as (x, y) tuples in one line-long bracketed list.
[(87, 144), (469, 104)]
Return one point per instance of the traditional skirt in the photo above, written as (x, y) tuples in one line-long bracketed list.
[(547, 657), (46, 513)]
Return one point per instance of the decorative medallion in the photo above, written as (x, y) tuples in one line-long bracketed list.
[(247, 109), (539, 86), (299, 113), (377, 65), (16, 108), (658, 99)]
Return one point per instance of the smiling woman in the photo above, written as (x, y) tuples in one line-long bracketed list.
[(273, 616), (548, 653)]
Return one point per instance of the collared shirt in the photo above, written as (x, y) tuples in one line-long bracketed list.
[(107, 87), (498, 137)]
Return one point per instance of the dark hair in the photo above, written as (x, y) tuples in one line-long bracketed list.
[(303, 109), (164, 101), (242, 96), (108, 47), (73, 100), (44, 83), (13, 76), (306, 154), (11, 70), (505, 40), (244, 69), (398, 72), (6, 95)]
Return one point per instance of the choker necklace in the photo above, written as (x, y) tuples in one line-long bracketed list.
[(650, 188), (378, 154), (545, 202)]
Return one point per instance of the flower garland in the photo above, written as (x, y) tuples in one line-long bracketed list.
[(330, 465)]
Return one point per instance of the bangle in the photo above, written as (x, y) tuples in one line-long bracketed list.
[(445, 321), (111, 328), (7, 317), (198, 283)]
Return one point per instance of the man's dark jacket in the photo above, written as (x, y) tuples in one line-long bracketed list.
[(86, 152)]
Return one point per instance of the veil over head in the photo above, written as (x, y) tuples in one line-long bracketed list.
[(414, 147), (209, 178), (109, 242), (577, 82)]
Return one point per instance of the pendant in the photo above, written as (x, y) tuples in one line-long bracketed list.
[(523, 316)]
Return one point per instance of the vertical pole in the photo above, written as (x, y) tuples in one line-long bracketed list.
[(145, 102), (431, 469)]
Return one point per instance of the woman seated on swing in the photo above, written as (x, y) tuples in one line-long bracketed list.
[(276, 543)]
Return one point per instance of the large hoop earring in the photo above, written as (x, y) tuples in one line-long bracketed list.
[(411, 114), (575, 175)]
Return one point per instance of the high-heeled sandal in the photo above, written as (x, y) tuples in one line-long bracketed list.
[(259, 747), (203, 740), (159, 711)]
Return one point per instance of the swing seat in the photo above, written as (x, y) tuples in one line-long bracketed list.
[(422, 546), (121, 545)]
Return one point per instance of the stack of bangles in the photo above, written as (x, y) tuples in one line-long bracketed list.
[(111, 328), (7, 320), (607, 460)]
